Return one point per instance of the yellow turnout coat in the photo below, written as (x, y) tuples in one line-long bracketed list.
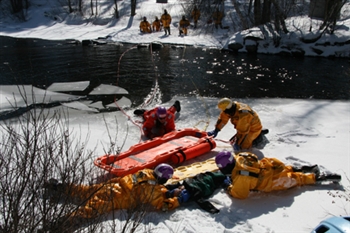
[(246, 122), (267, 174), (166, 20), (126, 192), (145, 26)]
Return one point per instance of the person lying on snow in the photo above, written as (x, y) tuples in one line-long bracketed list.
[(245, 120), (158, 121), (247, 173), (146, 186)]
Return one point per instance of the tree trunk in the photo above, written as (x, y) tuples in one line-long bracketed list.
[(16, 5), (92, 7), (279, 16), (240, 15), (96, 8), (250, 6), (116, 11), (266, 12), (70, 6), (332, 11), (80, 6), (257, 12), (133, 7)]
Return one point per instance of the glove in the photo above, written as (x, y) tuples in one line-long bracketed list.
[(233, 139), (213, 133), (184, 196), (227, 182), (236, 147)]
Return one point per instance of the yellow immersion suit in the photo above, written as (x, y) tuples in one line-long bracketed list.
[(156, 25), (121, 193), (184, 24), (218, 16), (145, 26), (267, 174), (166, 20), (246, 122), (195, 14)]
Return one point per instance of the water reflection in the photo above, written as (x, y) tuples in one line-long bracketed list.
[(178, 70)]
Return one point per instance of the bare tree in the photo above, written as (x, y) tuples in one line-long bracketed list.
[(133, 7), (279, 17), (80, 6), (332, 13), (17, 6), (35, 147), (257, 12), (116, 11), (70, 6), (96, 5), (266, 12)]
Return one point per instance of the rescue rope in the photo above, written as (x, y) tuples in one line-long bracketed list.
[(115, 98), (156, 86), (148, 100), (201, 97)]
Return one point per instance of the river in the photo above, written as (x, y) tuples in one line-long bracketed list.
[(178, 70)]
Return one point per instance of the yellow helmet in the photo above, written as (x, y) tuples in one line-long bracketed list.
[(224, 103)]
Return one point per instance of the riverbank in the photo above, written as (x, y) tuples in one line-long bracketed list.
[(47, 20)]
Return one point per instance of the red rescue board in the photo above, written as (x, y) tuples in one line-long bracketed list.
[(174, 147)]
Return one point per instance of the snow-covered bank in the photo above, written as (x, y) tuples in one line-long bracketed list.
[(301, 132), (47, 20)]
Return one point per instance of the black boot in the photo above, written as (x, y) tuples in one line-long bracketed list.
[(177, 106), (264, 131), (311, 169), (260, 138), (139, 112), (328, 177)]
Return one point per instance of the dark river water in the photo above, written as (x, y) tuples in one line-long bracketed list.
[(177, 70)]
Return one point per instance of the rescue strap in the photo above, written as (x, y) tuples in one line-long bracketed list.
[(183, 154), (210, 143), (247, 173)]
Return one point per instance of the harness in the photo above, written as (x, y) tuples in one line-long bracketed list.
[(249, 160)]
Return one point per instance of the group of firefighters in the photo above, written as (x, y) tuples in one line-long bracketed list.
[(239, 172), (165, 21)]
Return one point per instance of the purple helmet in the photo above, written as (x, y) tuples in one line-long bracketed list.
[(161, 112), (225, 162), (164, 171)]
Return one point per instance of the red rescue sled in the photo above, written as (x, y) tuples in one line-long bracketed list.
[(174, 147)]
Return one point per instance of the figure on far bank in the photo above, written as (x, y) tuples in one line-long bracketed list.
[(217, 17), (166, 21), (195, 16), (145, 26), (183, 25), (157, 25)]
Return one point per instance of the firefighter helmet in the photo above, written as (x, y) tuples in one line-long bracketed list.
[(224, 104)]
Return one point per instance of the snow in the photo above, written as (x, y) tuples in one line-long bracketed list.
[(301, 131), (47, 20)]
